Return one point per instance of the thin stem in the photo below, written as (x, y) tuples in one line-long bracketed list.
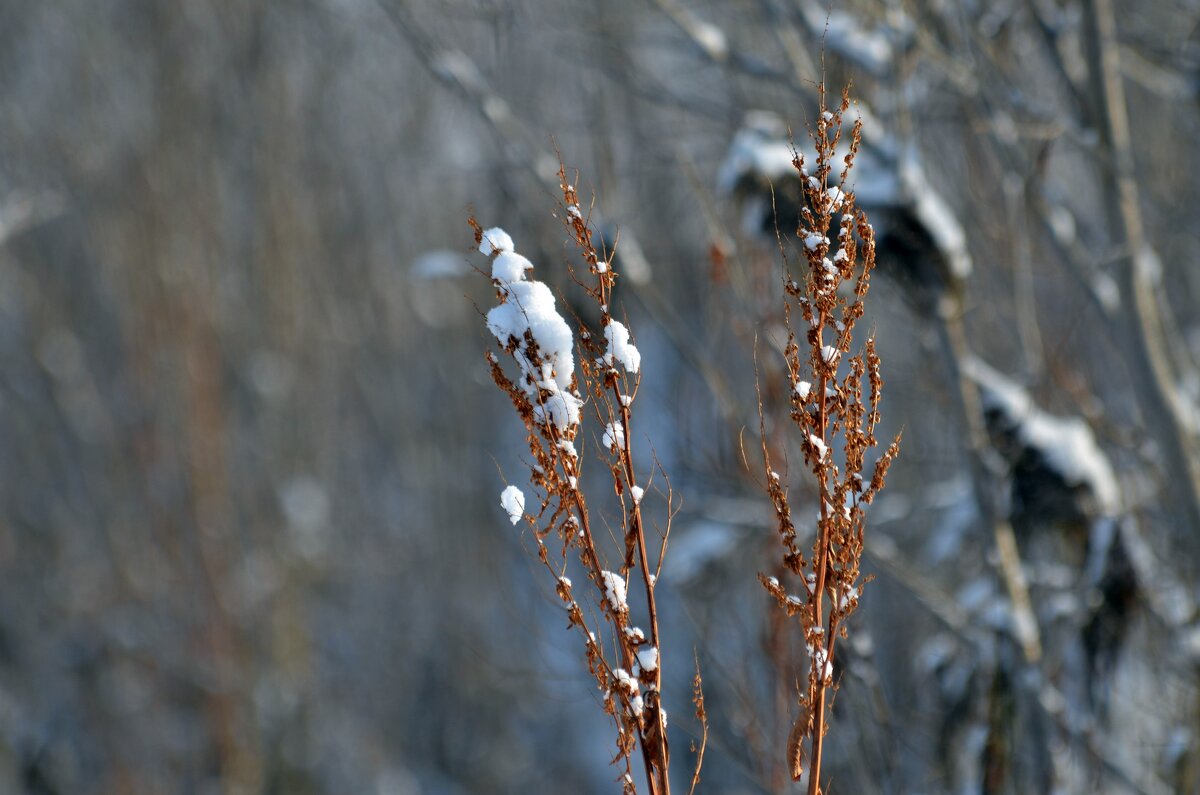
[(818, 706)]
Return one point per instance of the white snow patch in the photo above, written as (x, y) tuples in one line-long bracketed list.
[(759, 149), (439, 264), (619, 347), (712, 39), (527, 307), (821, 662), (562, 409), (1066, 444), (614, 435), (1108, 292), (624, 681), (512, 500), (614, 591), (509, 266), (836, 198), (938, 218), (494, 240), (1062, 224)]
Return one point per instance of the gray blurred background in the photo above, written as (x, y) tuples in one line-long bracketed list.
[(250, 455)]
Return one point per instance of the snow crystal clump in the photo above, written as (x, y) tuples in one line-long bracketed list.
[(619, 347), (512, 500), (561, 408), (820, 661), (526, 311), (648, 658), (494, 240), (510, 266), (614, 591), (614, 435), (624, 681)]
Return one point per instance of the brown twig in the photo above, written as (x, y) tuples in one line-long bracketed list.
[(550, 401), (825, 410)]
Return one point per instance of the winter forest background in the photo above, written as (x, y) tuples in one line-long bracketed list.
[(251, 457)]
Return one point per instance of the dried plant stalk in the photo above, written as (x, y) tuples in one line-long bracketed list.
[(830, 411), (625, 661)]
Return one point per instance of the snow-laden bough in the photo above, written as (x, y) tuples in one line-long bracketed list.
[(528, 323)]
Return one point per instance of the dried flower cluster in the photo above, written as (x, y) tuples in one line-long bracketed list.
[(831, 411), (550, 398)]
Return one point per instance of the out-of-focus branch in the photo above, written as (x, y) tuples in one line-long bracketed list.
[(456, 71), (1148, 355), (984, 482)]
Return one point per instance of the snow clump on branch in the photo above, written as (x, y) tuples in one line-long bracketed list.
[(512, 500), (528, 323), (619, 347)]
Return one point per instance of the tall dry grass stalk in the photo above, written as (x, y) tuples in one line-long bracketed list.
[(552, 399), (832, 414)]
